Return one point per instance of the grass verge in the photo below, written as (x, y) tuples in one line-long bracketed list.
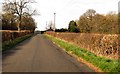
[(104, 64), (9, 44)]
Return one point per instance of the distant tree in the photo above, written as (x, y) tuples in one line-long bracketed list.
[(119, 22), (61, 30), (31, 25), (92, 22), (50, 26), (85, 22), (90, 13), (83, 25), (97, 25), (73, 27), (9, 21), (112, 22), (18, 8)]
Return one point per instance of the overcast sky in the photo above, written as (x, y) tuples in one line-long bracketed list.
[(67, 10)]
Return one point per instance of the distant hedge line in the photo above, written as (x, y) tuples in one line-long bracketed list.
[(8, 35)]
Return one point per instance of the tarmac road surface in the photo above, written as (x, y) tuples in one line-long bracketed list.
[(38, 54)]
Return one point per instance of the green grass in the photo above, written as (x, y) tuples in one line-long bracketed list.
[(102, 63), (9, 44)]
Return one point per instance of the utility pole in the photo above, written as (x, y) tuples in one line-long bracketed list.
[(54, 20), (46, 25)]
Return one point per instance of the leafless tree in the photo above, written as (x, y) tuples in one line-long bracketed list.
[(19, 8), (50, 26), (90, 13)]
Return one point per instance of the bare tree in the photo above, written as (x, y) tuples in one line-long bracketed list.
[(90, 13), (19, 8), (50, 26)]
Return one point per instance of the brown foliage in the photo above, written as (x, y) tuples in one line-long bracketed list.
[(100, 44), (92, 22), (10, 35)]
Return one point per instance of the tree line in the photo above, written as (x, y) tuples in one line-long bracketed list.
[(17, 16), (93, 22)]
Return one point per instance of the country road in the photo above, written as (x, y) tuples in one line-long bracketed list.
[(38, 54)]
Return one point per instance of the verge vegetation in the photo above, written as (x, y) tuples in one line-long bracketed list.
[(105, 45), (106, 65), (11, 43)]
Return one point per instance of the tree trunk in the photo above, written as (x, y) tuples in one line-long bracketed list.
[(19, 23), (18, 26)]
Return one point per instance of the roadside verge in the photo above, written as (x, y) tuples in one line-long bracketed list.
[(9, 44), (99, 64)]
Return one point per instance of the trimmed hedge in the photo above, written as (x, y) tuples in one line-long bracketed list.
[(8, 35), (105, 45), (9, 44)]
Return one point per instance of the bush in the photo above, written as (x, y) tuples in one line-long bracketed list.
[(61, 30), (9, 44), (8, 35), (73, 27)]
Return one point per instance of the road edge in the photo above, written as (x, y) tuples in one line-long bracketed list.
[(79, 59)]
